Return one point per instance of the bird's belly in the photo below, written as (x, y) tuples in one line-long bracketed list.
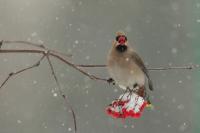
[(126, 77)]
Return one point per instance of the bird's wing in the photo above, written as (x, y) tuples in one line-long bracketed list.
[(140, 63)]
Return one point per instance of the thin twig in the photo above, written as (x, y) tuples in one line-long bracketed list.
[(41, 46), (93, 77), (22, 51), (189, 67), (62, 93), (22, 70), (91, 65)]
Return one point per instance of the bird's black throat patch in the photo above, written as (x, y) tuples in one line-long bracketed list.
[(121, 48)]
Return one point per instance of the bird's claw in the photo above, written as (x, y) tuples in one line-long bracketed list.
[(111, 81)]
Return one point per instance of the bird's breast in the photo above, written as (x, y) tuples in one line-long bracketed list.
[(125, 72)]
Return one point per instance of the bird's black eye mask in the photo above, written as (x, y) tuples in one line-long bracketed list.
[(121, 39)]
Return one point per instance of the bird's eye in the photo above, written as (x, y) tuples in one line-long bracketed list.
[(121, 39)]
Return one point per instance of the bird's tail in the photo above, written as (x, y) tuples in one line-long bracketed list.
[(150, 84)]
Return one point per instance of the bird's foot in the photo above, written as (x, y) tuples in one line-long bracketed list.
[(111, 81)]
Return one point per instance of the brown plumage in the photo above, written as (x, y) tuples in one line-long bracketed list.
[(125, 66)]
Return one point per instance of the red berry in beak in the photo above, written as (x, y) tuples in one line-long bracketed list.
[(121, 39)]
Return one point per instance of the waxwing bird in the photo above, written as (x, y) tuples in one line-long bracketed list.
[(126, 68)]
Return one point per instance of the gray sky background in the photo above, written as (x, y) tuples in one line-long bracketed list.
[(158, 30)]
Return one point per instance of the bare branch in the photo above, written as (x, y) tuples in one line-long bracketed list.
[(41, 46), (62, 93), (22, 70), (91, 65), (60, 56), (189, 67), (93, 77), (24, 42), (46, 53), (22, 51)]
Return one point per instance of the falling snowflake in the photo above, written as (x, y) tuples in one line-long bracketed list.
[(34, 34), (55, 94), (76, 42), (69, 129), (174, 50), (19, 121), (34, 82), (183, 127)]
